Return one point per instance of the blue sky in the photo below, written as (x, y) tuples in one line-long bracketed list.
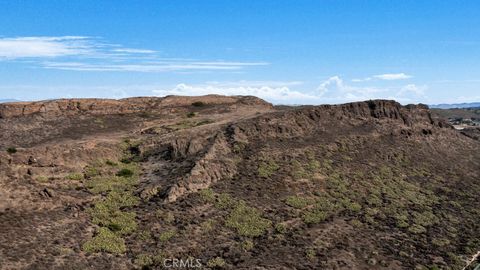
[(287, 52)]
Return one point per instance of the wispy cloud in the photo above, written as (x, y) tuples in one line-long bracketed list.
[(37, 47), (386, 77), (129, 50), (392, 76), (165, 66), (79, 53)]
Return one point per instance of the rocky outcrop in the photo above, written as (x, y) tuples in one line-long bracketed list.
[(211, 167), (67, 107), (213, 156), (303, 121)]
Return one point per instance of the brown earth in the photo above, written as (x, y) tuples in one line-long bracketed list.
[(366, 185)]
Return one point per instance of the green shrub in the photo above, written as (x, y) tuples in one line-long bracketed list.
[(440, 242), (111, 163), (42, 179), (314, 216), (267, 168), (238, 147), (103, 214), (216, 262), (101, 184), (298, 171), (247, 221), (280, 228), (417, 229), (119, 199), (198, 104), (144, 235), (426, 218), (167, 235), (313, 166), (298, 202), (125, 173), (105, 240), (143, 260), (248, 245), (310, 253), (351, 206), (11, 150), (207, 195), (204, 122), (225, 201), (75, 176), (91, 172), (191, 114), (401, 220)]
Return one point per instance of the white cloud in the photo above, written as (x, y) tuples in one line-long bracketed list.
[(148, 67), (274, 93), (362, 80), (332, 90), (392, 76), (410, 89), (77, 53), (385, 77), (28, 47), (254, 83), (335, 90), (128, 50)]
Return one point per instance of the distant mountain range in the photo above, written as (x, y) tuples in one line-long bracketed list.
[(8, 100), (457, 105)]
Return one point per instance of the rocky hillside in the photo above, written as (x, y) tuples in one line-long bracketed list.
[(235, 183)]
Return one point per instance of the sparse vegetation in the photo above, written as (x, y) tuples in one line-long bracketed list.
[(111, 163), (314, 216), (216, 262), (41, 179), (199, 104), (11, 150), (144, 235), (186, 124), (280, 228), (166, 235), (298, 202), (207, 195), (143, 261), (225, 201), (105, 240), (267, 168), (75, 176), (117, 221), (310, 254), (248, 245), (247, 221), (192, 114), (125, 173), (207, 225), (305, 189), (108, 211), (166, 216)]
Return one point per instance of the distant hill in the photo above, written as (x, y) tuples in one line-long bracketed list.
[(457, 105), (8, 100)]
